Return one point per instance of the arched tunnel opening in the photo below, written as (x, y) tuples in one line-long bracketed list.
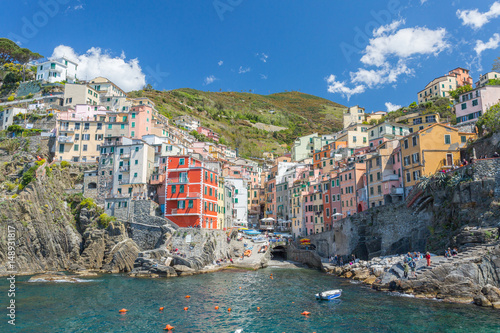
[(278, 253)]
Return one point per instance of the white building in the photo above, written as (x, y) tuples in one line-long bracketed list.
[(472, 104), (80, 94), (56, 70), (7, 116), (188, 122), (485, 78), (240, 200)]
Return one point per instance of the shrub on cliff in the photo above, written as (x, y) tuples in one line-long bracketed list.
[(105, 219)]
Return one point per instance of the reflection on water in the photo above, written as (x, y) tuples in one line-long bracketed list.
[(93, 306)]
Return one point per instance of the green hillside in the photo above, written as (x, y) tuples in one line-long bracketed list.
[(253, 123)]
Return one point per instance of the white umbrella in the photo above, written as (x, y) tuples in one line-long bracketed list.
[(337, 214)]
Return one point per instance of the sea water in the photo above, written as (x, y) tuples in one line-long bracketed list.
[(92, 306)]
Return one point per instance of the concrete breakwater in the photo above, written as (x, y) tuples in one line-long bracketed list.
[(469, 277)]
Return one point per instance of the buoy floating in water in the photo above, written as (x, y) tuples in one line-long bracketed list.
[(186, 308), (123, 310), (305, 313), (258, 308), (169, 328), (216, 308), (161, 309), (187, 296), (229, 310), (240, 287)]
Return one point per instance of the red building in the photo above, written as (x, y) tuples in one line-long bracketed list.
[(191, 192)]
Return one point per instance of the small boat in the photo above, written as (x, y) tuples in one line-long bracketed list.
[(259, 240), (330, 294)]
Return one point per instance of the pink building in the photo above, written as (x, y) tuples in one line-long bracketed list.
[(84, 112), (475, 103), (208, 133), (140, 121)]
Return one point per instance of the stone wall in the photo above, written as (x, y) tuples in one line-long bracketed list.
[(309, 258)]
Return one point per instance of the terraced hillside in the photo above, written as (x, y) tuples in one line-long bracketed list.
[(250, 122)]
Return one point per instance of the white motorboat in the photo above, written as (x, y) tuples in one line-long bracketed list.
[(329, 295)]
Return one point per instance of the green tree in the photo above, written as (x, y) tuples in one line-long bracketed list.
[(490, 121), (460, 90), (24, 56), (7, 51)]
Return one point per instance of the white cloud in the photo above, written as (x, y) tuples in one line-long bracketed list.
[(127, 74), (263, 76), (78, 7), (423, 1), (476, 19), (243, 70), (209, 79), (491, 44), (392, 107), (403, 44), (388, 53), (384, 29), (335, 86), (386, 74), (262, 56), (220, 63)]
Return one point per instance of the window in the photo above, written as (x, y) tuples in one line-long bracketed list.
[(408, 177), (475, 102), (133, 124), (75, 147), (133, 115), (181, 204), (61, 148), (77, 126), (85, 147), (371, 190), (379, 189), (181, 188), (464, 106), (86, 126), (235, 200), (135, 174), (463, 138), (371, 178), (378, 175), (415, 158), (406, 144), (181, 161), (190, 204), (447, 139), (414, 141), (354, 139), (406, 160), (416, 175)]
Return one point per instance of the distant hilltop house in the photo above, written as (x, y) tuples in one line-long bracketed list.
[(56, 70), (485, 78), (441, 86), (208, 133), (188, 122)]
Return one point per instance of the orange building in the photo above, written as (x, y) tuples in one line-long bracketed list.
[(191, 192)]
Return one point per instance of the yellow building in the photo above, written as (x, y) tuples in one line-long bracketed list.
[(430, 150), (418, 121)]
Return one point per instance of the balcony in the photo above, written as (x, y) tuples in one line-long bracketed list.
[(66, 129), (65, 139), (193, 195), (125, 156), (124, 169), (178, 180), (397, 191), (389, 178), (124, 182)]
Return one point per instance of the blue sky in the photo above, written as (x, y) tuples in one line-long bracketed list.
[(366, 53)]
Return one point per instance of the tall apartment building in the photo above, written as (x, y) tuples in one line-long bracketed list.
[(472, 104), (441, 86), (56, 70), (191, 192)]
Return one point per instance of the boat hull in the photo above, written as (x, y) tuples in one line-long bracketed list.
[(329, 295)]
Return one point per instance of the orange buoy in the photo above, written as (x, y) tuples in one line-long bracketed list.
[(161, 309), (258, 308), (305, 313), (169, 328), (293, 302), (240, 287), (229, 310), (186, 308), (216, 308), (123, 310), (187, 296), (272, 278)]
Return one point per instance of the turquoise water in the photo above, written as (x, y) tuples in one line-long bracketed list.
[(93, 306)]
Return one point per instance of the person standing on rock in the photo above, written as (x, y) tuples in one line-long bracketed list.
[(406, 269), (413, 266), (428, 257)]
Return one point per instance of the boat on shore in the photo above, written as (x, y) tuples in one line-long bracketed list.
[(329, 295)]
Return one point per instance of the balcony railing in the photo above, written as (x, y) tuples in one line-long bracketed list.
[(125, 156), (65, 139), (66, 129), (397, 191), (124, 169), (180, 180), (390, 178), (195, 195), (124, 182)]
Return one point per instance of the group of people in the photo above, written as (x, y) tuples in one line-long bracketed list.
[(449, 253), (338, 260), (410, 263)]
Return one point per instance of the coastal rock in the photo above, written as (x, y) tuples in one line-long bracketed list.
[(52, 277), (370, 280), (482, 301), (182, 268)]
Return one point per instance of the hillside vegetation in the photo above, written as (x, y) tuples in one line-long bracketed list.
[(241, 118)]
